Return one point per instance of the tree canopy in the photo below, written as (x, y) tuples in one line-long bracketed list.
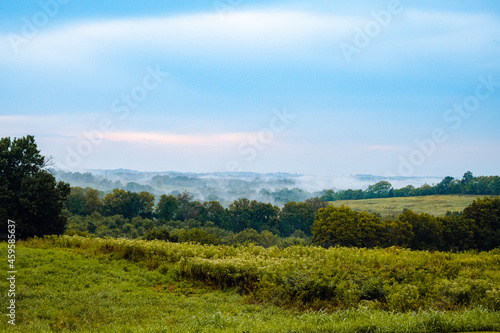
[(29, 194)]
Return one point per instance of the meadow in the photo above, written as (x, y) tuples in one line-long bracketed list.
[(436, 205), (72, 283)]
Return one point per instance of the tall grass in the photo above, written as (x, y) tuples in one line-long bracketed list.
[(60, 290), (436, 205), (392, 279)]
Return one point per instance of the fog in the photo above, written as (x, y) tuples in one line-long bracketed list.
[(277, 188)]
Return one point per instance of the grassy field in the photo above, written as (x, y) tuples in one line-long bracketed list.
[(71, 284), (436, 205)]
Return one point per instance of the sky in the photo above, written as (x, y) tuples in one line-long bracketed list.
[(391, 88)]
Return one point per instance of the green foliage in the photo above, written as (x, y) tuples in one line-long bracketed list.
[(378, 190), (458, 233), (246, 214), (338, 278), (128, 204), (158, 234), (298, 216), (336, 226), (75, 203), (29, 195), (198, 236), (427, 231), (167, 207), (214, 212), (403, 298), (477, 228), (468, 185), (98, 292), (342, 226), (251, 236), (486, 215), (84, 201)]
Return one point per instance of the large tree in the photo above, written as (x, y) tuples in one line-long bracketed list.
[(29, 194), (129, 204), (336, 226), (167, 207)]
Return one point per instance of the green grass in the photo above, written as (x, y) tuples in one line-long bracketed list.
[(76, 285), (436, 205)]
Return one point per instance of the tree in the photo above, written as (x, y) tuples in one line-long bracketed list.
[(371, 230), (406, 191), (427, 230), (486, 215), (264, 216), (187, 208), (198, 236), (146, 204), (213, 211), (397, 233), (316, 203), (241, 215), (458, 233), (336, 226), (247, 236), (75, 203), (158, 233), (29, 194), (466, 179), (129, 204), (378, 190), (117, 202), (298, 216), (167, 207), (92, 202), (443, 186)]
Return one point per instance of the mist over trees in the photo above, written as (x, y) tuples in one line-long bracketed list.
[(31, 196), (277, 188)]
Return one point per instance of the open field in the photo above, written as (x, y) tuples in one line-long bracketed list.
[(93, 285), (436, 205)]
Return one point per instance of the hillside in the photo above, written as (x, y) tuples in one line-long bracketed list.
[(436, 205)]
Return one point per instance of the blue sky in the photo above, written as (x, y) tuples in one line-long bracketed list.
[(407, 88)]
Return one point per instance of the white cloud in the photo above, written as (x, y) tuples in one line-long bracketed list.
[(255, 36), (247, 33), (178, 139)]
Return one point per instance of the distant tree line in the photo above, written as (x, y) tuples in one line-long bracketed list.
[(483, 185)]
